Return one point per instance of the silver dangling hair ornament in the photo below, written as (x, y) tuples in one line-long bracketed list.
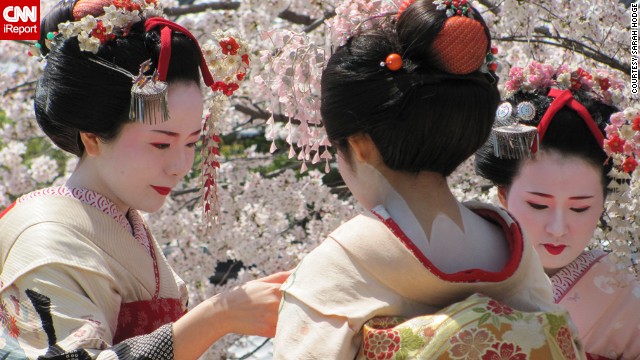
[(515, 140), (149, 103)]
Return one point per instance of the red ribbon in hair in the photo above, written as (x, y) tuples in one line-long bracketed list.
[(165, 47), (565, 98)]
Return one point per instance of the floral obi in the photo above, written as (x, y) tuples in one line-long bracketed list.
[(476, 328)]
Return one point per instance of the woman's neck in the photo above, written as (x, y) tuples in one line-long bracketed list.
[(86, 177), (427, 194)]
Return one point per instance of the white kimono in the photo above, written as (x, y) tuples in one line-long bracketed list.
[(363, 270)]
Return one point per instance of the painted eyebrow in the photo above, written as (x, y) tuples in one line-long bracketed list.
[(172, 134), (550, 196)]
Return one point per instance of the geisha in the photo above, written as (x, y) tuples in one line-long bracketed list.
[(404, 105), (548, 159)]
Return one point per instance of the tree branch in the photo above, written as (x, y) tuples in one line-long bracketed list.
[(295, 17), (196, 8), (572, 45), (257, 113), (234, 5), (313, 25), (251, 353), (491, 6), (18, 87)]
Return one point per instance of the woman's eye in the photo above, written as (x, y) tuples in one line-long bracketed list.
[(537, 206), (160, 145), (193, 144), (579, 210)]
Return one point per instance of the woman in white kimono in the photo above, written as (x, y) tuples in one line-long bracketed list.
[(557, 195), (404, 107), (81, 276)]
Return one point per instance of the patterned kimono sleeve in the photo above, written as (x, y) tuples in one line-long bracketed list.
[(62, 312)]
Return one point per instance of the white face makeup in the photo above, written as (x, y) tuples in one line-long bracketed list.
[(558, 201), (139, 168)]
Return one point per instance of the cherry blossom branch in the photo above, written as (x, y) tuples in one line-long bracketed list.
[(196, 8), (573, 45), (251, 353), (327, 15), (234, 5), (258, 113), (295, 17), (19, 88), (492, 6)]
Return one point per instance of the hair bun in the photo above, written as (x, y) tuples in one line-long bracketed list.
[(461, 46), (83, 8)]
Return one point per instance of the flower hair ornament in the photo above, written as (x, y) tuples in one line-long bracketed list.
[(227, 56), (622, 231), (93, 31)]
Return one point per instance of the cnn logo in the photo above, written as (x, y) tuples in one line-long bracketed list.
[(16, 13), (20, 19)]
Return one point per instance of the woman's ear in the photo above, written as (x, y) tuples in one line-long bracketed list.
[(363, 148), (502, 196), (91, 143)]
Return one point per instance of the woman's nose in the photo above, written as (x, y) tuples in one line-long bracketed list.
[(180, 162), (557, 224)]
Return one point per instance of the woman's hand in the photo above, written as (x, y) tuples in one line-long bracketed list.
[(252, 308), (248, 309)]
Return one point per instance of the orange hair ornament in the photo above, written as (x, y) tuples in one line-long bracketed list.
[(462, 44)]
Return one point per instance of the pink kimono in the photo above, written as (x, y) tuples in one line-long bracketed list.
[(605, 309)]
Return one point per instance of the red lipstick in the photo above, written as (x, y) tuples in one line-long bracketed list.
[(554, 249), (161, 190)]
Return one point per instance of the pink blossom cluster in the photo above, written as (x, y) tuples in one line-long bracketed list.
[(360, 15), (623, 139), (602, 85)]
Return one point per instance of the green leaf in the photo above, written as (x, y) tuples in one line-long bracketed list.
[(556, 322), (484, 318), (496, 321)]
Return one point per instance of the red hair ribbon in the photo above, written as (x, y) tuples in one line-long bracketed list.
[(165, 47), (565, 98)]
